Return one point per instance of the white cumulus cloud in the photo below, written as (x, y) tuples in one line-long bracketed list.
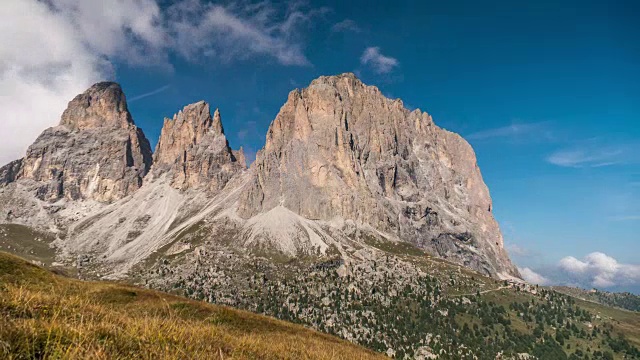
[(573, 265), (595, 270), (600, 270)]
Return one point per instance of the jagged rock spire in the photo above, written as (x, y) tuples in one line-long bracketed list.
[(194, 149), (217, 122), (186, 129), (239, 155)]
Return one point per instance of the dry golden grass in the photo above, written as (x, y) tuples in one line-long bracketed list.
[(43, 315)]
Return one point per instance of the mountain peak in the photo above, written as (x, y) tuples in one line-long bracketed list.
[(102, 105), (97, 153), (340, 149), (340, 81), (332, 78), (184, 130), (193, 148)]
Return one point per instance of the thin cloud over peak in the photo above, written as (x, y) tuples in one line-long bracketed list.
[(379, 63)]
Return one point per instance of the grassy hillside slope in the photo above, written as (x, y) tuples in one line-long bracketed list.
[(625, 300), (43, 315)]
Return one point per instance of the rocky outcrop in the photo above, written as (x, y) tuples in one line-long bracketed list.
[(96, 152), (104, 105), (340, 149), (9, 172), (195, 151), (239, 155)]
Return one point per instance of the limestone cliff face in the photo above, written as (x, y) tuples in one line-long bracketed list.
[(96, 152), (340, 149), (194, 149)]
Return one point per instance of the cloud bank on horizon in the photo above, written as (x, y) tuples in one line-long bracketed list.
[(54, 50), (595, 270)]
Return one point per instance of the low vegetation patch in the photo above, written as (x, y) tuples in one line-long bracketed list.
[(44, 316)]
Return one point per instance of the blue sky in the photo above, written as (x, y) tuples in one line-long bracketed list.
[(547, 92)]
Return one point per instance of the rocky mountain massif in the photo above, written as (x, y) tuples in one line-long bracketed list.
[(358, 218), (341, 163)]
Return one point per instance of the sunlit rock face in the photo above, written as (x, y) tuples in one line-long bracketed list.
[(342, 166), (96, 152), (340, 149), (195, 151)]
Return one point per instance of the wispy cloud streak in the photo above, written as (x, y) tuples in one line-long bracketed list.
[(150, 93), (346, 26), (511, 132), (203, 30), (595, 156), (517, 250)]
